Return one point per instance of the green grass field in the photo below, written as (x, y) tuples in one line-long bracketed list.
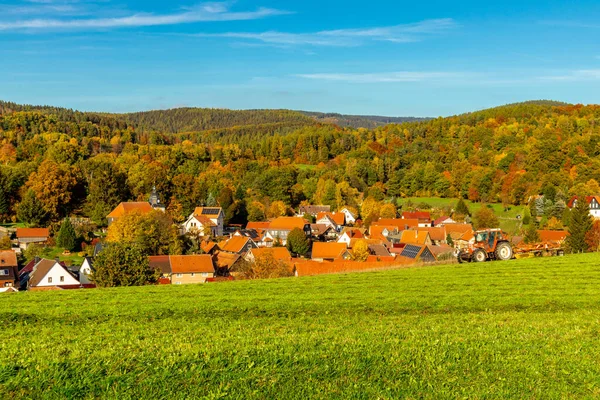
[(516, 329)]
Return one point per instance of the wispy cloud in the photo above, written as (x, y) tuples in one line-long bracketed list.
[(576, 75), (201, 13), (385, 77), (346, 37)]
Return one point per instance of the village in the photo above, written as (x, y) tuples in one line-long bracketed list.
[(336, 242)]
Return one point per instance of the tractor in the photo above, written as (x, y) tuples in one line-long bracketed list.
[(490, 244)]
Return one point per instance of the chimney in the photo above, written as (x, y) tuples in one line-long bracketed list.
[(36, 260), (57, 259)]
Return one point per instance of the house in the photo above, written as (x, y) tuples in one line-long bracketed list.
[(415, 237), (400, 224), (237, 245), (349, 234), (162, 264), (423, 217), (155, 202), (443, 220), (140, 207), (225, 263), (278, 254), (465, 240), (443, 252), (28, 236), (382, 232), (313, 211), (337, 220), (204, 218), (85, 271), (322, 233), (280, 228), (437, 234), (350, 216), (593, 202), (461, 234), (209, 247), (51, 275), (329, 251), (417, 252), (379, 250), (191, 269), (9, 269)]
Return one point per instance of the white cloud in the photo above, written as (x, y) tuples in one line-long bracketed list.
[(576, 75), (201, 13), (346, 37), (384, 77)]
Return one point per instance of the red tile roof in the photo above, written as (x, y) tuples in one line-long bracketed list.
[(191, 264), (328, 250), (338, 218), (142, 207), (235, 244), (8, 258), (288, 223), (258, 225), (23, 233), (399, 223), (420, 215)]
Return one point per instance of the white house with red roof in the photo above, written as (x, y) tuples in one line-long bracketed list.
[(593, 202), (204, 219)]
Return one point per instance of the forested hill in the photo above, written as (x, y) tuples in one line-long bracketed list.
[(359, 121)]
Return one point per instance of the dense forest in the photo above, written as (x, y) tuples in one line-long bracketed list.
[(66, 162), (359, 121)]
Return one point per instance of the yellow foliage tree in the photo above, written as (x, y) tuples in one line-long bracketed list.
[(52, 184), (388, 210), (360, 251), (277, 209), (369, 207)]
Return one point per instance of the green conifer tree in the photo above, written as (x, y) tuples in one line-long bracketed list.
[(67, 237), (580, 223)]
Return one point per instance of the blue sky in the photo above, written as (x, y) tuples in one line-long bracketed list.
[(394, 58)]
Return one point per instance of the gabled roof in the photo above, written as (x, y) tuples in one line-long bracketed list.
[(420, 215), (287, 223), (162, 263), (399, 223), (204, 220), (235, 244), (41, 269), (23, 233), (210, 212), (192, 264), (377, 231), (414, 237), (8, 258), (462, 228), (320, 229), (207, 247), (354, 233), (337, 218), (278, 253), (442, 219), (441, 249), (437, 234), (553, 236), (588, 199), (142, 207), (349, 212), (328, 250), (379, 250), (258, 225), (225, 260)]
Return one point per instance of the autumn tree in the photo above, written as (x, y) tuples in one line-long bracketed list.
[(297, 242), (388, 210), (277, 209), (153, 232), (360, 251), (485, 218), (30, 210), (592, 238), (265, 266), (580, 223), (66, 237), (123, 264), (256, 211), (531, 234), (52, 185), (461, 208)]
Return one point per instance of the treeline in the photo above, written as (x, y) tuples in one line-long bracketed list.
[(359, 121), (507, 154)]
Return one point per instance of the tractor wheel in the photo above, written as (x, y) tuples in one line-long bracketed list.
[(479, 255), (504, 251)]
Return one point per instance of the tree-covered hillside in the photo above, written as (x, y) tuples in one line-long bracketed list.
[(85, 163), (359, 121)]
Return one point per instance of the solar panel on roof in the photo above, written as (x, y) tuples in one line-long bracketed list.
[(210, 211), (411, 251)]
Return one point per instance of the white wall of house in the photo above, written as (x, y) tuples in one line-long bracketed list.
[(349, 217), (85, 272), (345, 238), (53, 277)]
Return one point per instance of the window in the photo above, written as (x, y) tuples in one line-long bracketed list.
[(62, 278), (7, 284), (3, 272), (49, 279), (180, 275), (193, 274), (205, 274)]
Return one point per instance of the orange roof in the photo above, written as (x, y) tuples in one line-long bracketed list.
[(278, 253), (143, 207), (553, 236), (401, 224), (235, 244), (8, 258), (210, 212), (204, 220), (207, 246), (376, 231), (32, 233), (338, 218), (386, 259), (414, 237), (462, 228), (328, 250), (353, 233), (422, 215), (467, 236), (225, 260), (288, 223), (341, 266), (367, 241), (258, 225), (437, 234), (191, 264)]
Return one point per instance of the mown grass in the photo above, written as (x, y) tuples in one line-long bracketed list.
[(516, 329)]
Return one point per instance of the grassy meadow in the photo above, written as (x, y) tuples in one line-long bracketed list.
[(516, 329)]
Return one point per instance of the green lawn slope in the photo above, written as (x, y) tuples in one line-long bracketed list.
[(516, 329)]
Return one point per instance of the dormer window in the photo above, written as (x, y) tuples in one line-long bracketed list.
[(3, 272)]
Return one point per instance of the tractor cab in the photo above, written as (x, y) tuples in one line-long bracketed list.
[(490, 244), (488, 239)]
